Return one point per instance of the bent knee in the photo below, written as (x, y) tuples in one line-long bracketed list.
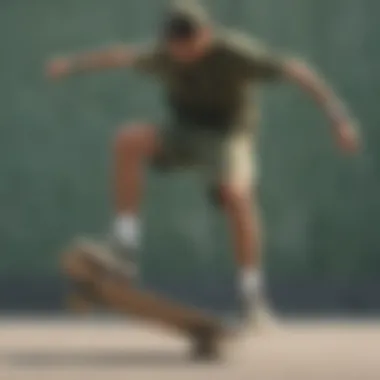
[(235, 197), (136, 139)]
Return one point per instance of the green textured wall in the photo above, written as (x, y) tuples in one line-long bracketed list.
[(322, 210)]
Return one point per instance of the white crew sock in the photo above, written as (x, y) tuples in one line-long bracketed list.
[(127, 230), (251, 282)]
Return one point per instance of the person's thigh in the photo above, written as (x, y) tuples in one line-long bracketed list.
[(234, 163), (240, 171)]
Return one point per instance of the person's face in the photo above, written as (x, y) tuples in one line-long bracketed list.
[(190, 49)]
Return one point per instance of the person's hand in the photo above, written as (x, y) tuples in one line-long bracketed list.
[(346, 136), (58, 68)]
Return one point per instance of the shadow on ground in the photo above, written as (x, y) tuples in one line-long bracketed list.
[(102, 359)]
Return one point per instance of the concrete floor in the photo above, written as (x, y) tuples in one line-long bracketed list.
[(71, 350)]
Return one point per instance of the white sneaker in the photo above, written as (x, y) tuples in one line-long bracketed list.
[(127, 256), (262, 318)]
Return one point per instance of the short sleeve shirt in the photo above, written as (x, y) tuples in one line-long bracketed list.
[(214, 89)]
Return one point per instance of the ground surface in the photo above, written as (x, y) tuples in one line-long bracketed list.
[(71, 350)]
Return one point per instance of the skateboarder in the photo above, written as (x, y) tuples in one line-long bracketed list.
[(207, 72)]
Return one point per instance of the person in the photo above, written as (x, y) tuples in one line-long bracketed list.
[(207, 72)]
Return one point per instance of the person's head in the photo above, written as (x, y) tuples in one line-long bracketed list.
[(187, 33)]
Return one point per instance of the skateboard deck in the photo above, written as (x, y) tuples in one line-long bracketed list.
[(90, 264)]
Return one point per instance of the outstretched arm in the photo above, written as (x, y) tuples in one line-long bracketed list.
[(343, 127), (260, 62), (113, 57)]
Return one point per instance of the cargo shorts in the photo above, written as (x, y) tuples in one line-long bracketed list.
[(223, 158)]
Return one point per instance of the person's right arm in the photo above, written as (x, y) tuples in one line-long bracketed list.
[(109, 58)]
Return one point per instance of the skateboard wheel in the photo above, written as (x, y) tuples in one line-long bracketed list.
[(206, 344)]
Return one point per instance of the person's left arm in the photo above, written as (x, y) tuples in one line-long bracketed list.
[(313, 84), (263, 64)]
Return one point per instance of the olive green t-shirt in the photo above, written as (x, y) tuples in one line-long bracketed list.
[(214, 92)]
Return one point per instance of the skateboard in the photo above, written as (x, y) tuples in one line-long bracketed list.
[(100, 279)]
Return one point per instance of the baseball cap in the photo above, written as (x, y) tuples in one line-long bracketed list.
[(183, 19)]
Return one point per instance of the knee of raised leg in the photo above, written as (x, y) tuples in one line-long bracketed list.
[(233, 197), (129, 140)]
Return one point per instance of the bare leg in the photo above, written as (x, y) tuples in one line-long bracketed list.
[(239, 203), (245, 226), (133, 146)]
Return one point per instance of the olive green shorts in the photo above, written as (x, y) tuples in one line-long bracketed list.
[(222, 158)]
